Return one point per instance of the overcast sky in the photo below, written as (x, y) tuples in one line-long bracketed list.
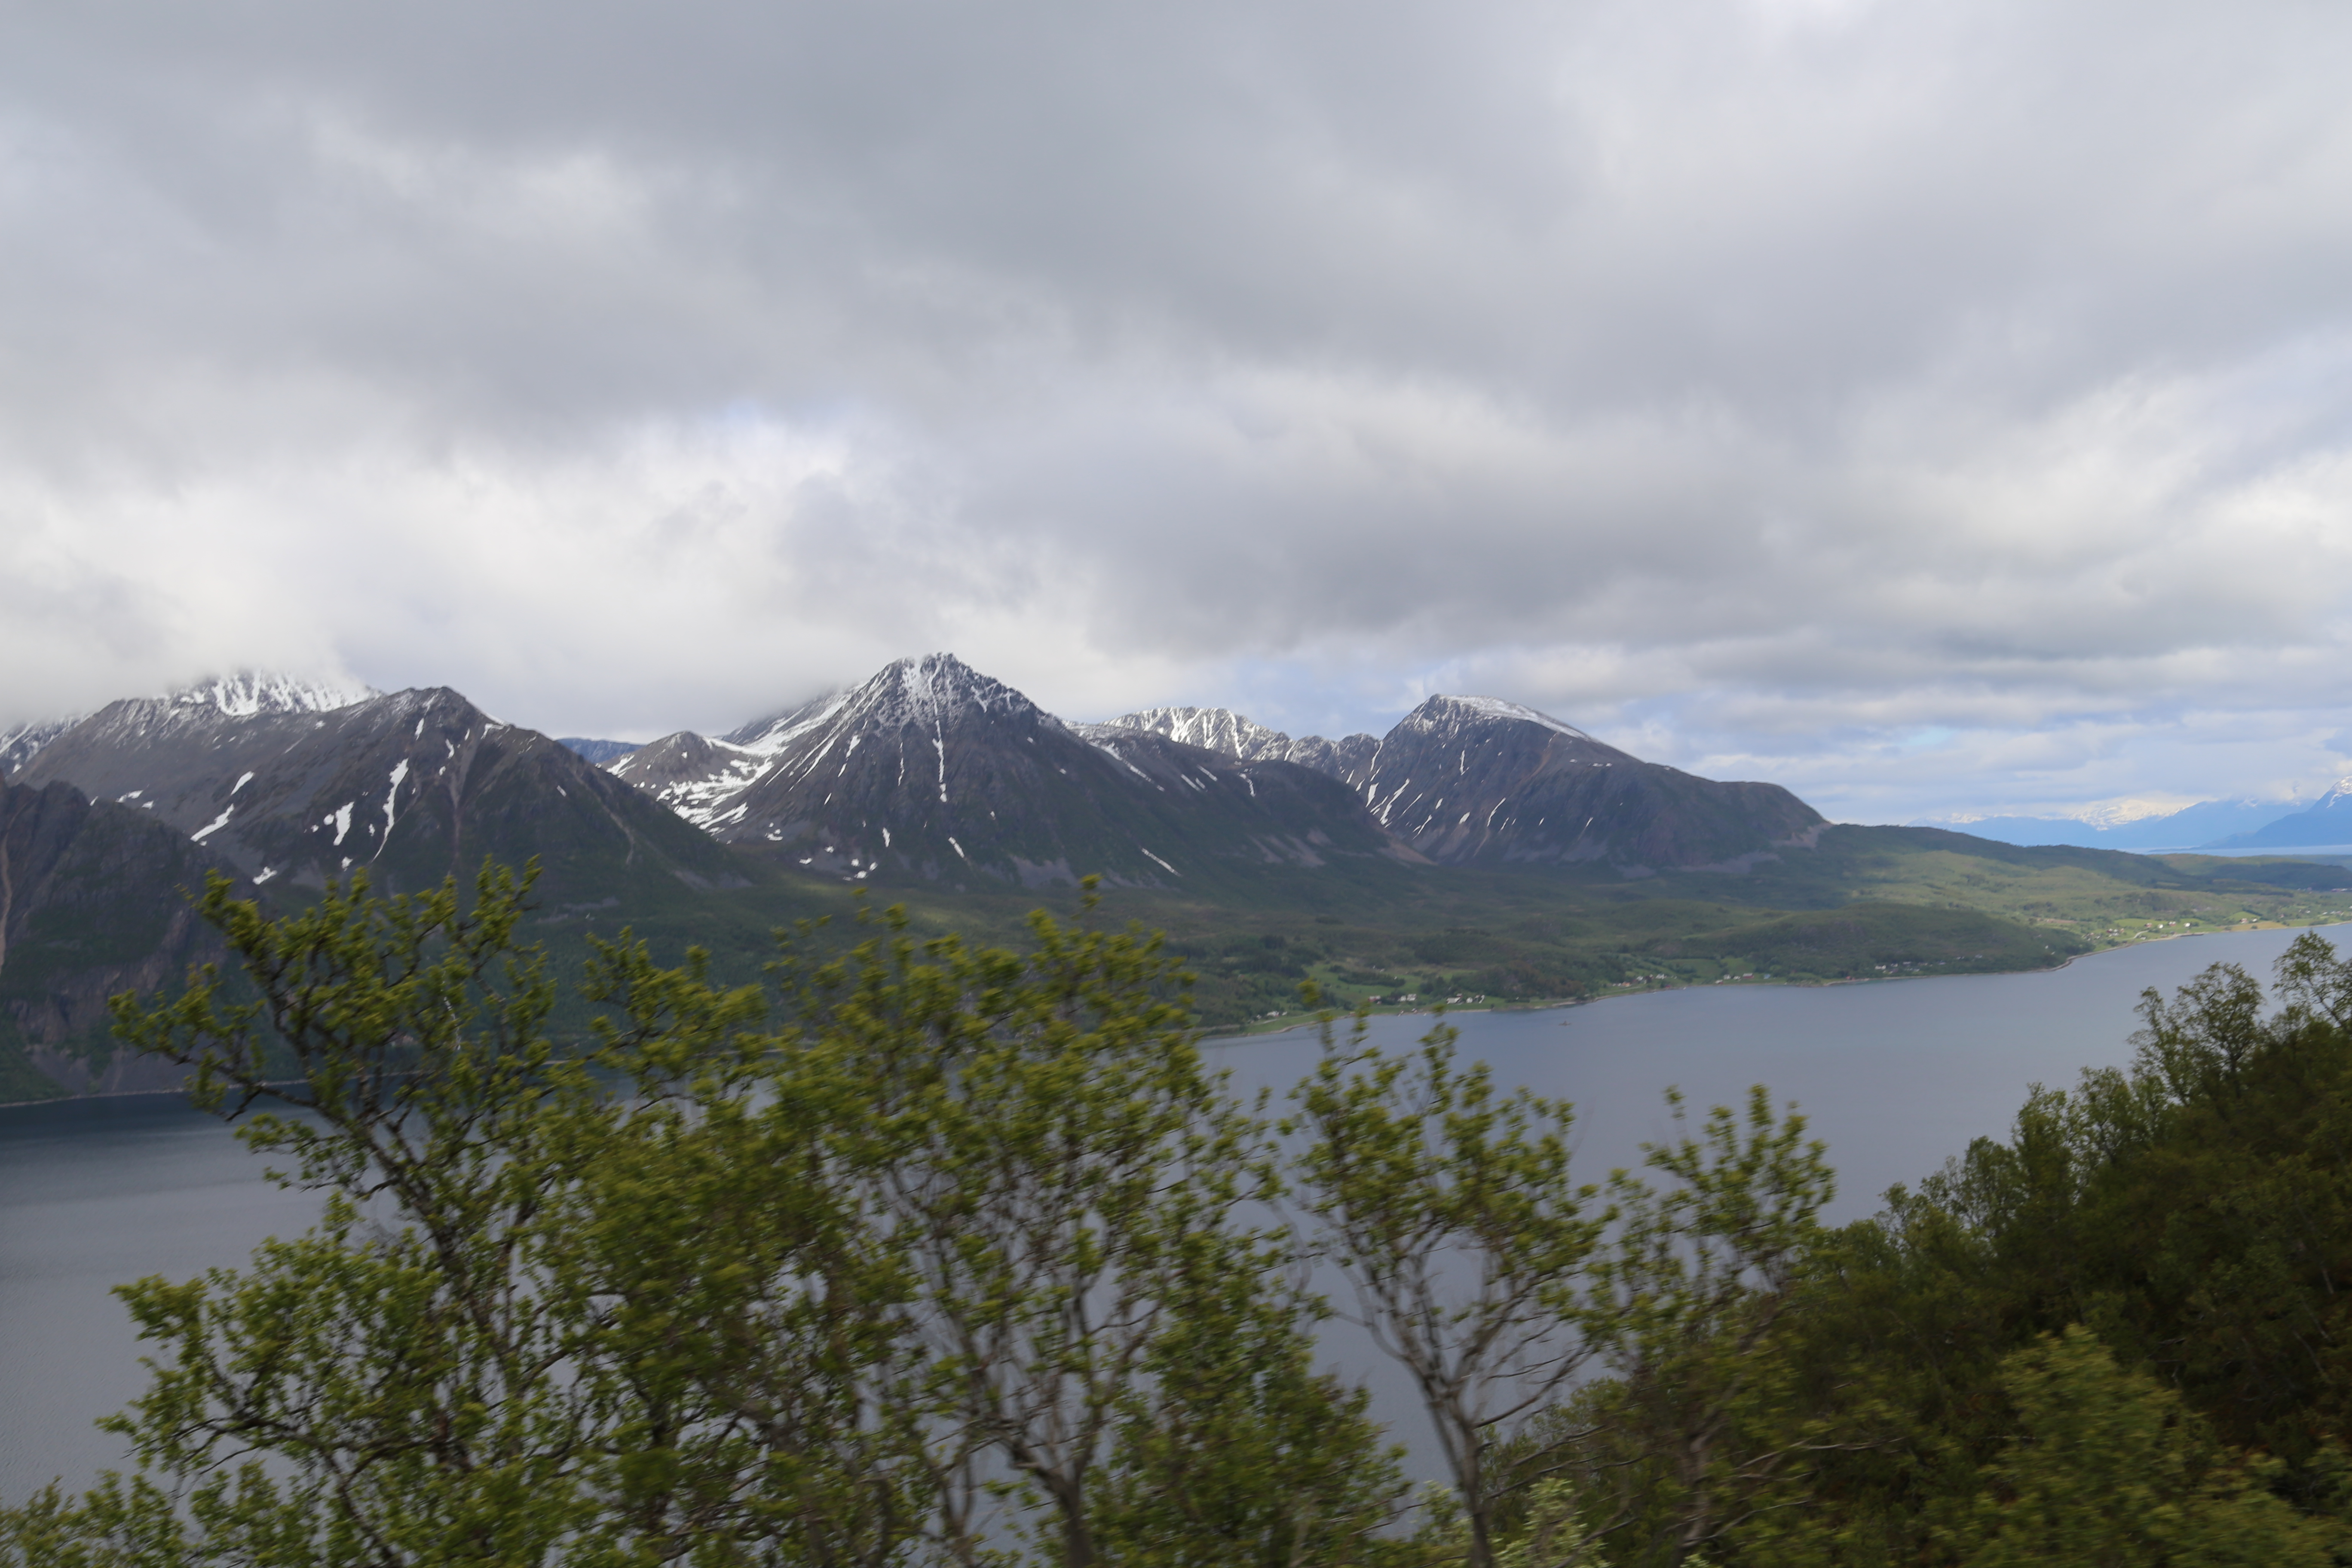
[(1936, 406)]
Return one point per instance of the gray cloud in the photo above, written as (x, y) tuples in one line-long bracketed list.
[(1932, 407)]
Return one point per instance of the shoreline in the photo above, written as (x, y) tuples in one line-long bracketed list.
[(1307, 1020)]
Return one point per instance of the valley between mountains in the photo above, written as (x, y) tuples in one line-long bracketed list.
[(1479, 850)]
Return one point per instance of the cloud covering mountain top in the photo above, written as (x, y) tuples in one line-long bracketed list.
[(1928, 406)]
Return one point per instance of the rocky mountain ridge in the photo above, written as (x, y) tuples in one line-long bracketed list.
[(928, 770), (1224, 731), (1537, 789)]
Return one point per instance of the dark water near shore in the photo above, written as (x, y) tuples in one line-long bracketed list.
[(1895, 1076)]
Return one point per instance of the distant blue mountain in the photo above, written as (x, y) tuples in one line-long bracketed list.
[(598, 752), (2326, 823), (2194, 826)]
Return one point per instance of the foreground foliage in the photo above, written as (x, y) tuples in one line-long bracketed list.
[(937, 1254)]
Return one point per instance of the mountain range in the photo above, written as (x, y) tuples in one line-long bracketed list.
[(1479, 781), (109, 823), (928, 774), (932, 769), (1478, 842), (284, 779), (2218, 825), (2326, 823)]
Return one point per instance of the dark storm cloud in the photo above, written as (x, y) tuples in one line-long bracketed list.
[(1769, 383)]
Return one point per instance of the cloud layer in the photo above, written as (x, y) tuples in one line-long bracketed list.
[(1933, 407)]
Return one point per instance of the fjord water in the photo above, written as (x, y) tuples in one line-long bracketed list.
[(93, 1193), (1896, 1077)]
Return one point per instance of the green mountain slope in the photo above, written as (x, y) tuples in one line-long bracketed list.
[(92, 902)]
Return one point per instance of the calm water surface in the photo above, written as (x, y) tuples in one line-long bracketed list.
[(1896, 1077)]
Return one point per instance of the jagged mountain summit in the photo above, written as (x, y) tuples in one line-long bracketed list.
[(931, 769), (1475, 780), (1225, 730), (289, 780)]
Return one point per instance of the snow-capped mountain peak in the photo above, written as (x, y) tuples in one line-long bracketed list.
[(1439, 709), (251, 693), (245, 694), (931, 691), (924, 693)]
